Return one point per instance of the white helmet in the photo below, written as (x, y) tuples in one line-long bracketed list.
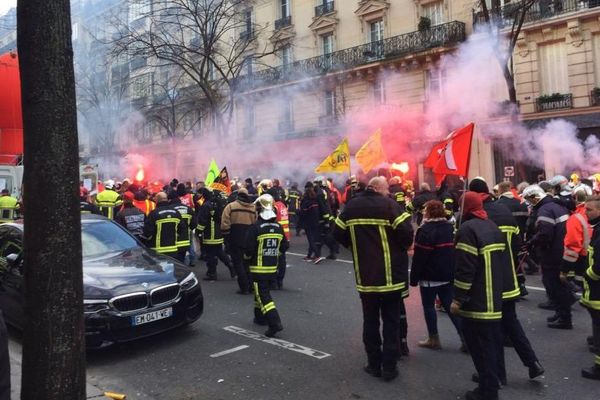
[(321, 180), (534, 191), (109, 184), (267, 183), (559, 180), (583, 188), (266, 204)]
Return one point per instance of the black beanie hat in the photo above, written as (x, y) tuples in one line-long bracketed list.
[(478, 185)]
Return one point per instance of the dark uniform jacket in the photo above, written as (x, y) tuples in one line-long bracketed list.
[(236, 219), (397, 193), (187, 213), (434, 252), (294, 197), (416, 206), (518, 210), (324, 210), (209, 221), (163, 227), (132, 219), (379, 234), (480, 261), (591, 282), (264, 243), (549, 232), (502, 217), (309, 212)]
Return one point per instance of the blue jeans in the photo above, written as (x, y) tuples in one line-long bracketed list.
[(445, 293)]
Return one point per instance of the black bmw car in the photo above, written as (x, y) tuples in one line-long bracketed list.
[(129, 291)]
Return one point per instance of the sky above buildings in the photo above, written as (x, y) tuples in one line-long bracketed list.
[(6, 5)]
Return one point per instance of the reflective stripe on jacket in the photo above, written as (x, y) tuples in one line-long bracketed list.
[(591, 281), (107, 201)]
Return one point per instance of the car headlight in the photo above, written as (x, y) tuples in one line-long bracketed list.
[(189, 282), (91, 306)]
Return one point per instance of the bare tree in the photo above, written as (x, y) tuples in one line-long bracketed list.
[(53, 338), (510, 17), (102, 94), (211, 42), (173, 107)]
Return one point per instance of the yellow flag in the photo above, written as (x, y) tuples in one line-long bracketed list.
[(371, 153), (338, 161)]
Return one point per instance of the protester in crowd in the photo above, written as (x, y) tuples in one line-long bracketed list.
[(432, 269)]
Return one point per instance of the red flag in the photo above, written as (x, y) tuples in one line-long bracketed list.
[(222, 182), (434, 155), (454, 157)]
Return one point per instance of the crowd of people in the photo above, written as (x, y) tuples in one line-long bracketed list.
[(472, 248)]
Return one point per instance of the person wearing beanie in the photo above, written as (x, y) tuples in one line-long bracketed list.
[(478, 185), (163, 227), (478, 286), (511, 326)]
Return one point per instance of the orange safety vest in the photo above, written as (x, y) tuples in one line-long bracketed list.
[(188, 200), (145, 206), (578, 236), (283, 218)]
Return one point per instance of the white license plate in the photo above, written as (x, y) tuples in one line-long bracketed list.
[(151, 316)]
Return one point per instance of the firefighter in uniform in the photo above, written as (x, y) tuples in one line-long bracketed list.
[(282, 217), (163, 227), (478, 283), (591, 292), (326, 219), (417, 204), (548, 239), (512, 329), (294, 196), (379, 234), (577, 239), (209, 226), (264, 243), (184, 242), (9, 207), (108, 200), (397, 192)]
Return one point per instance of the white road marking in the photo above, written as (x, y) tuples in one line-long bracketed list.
[(278, 342), (540, 289), (304, 255), (222, 353)]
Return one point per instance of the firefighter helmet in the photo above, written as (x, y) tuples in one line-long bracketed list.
[(534, 191), (265, 202)]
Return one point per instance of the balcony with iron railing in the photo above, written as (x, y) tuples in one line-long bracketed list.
[(324, 9), (541, 10), (448, 34), (283, 22), (556, 101)]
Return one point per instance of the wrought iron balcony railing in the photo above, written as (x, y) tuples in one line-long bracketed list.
[(540, 10), (554, 102), (447, 34), (324, 8), (283, 22)]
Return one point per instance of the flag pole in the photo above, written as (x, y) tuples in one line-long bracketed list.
[(466, 186)]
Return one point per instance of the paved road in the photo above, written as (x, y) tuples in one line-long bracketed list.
[(320, 310)]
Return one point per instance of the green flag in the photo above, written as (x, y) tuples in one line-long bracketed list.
[(213, 172)]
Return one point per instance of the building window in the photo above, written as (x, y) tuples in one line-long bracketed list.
[(286, 56), (250, 116), (330, 103), (139, 9), (435, 12), (552, 64), (248, 22), (287, 115), (285, 8), (596, 52), (141, 86), (376, 39), (379, 91), (435, 80), (327, 42)]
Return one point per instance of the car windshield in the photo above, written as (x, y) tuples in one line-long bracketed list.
[(101, 237)]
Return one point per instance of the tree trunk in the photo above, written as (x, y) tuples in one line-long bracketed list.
[(53, 338)]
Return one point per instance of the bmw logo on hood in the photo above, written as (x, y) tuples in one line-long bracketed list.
[(145, 284)]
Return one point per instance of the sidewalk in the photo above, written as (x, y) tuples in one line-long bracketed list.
[(14, 349)]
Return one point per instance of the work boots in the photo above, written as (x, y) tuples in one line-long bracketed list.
[(432, 342), (591, 373), (273, 329), (536, 370), (562, 322)]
